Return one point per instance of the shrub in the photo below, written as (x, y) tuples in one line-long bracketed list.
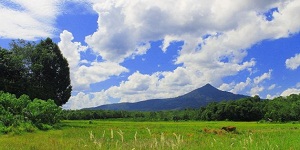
[(44, 127), (21, 114), (28, 127), (5, 130), (45, 112), (6, 118)]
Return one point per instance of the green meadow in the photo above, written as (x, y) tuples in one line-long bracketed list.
[(102, 134)]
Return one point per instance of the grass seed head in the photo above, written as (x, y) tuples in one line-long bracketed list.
[(135, 138), (91, 135), (121, 135), (111, 133), (149, 131), (103, 135)]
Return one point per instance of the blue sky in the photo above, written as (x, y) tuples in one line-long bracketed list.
[(128, 51)]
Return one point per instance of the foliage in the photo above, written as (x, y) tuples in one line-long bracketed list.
[(280, 109), (284, 108), (38, 70), (12, 74), (22, 114), (43, 112), (246, 109)]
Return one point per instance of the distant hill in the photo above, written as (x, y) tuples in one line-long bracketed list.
[(194, 99)]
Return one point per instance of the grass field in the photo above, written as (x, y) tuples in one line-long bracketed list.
[(157, 135)]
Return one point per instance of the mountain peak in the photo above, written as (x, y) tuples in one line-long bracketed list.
[(208, 86), (195, 99), (207, 89)]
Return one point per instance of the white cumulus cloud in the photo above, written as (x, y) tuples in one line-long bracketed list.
[(263, 77), (293, 62), (290, 91), (256, 84), (241, 86), (84, 74), (71, 50), (158, 85), (256, 90), (142, 21), (82, 100)]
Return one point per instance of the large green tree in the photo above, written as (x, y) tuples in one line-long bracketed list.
[(12, 74), (38, 70), (50, 73)]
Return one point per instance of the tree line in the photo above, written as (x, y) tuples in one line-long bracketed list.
[(280, 109)]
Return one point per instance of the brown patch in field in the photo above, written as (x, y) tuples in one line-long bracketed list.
[(229, 128), (213, 131)]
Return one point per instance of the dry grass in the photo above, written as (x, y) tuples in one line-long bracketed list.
[(153, 141)]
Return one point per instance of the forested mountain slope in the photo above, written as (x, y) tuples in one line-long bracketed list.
[(194, 99)]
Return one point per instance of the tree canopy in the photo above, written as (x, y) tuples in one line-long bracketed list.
[(38, 70)]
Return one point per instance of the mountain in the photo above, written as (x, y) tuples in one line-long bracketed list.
[(194, 99)]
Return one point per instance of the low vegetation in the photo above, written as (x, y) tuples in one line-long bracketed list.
[(103, 134), (22, 114)]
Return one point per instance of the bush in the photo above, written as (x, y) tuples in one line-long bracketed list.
[(28, 127), (6, 118), (44, 127), (21, 114), (45, 112), (5, 130)]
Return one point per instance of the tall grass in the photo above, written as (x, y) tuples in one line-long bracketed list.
[(157, 135), (153, 141)]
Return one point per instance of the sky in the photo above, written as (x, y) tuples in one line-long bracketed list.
[(133, 50)]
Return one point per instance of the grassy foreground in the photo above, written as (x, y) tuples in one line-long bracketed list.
[(157, 135)]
